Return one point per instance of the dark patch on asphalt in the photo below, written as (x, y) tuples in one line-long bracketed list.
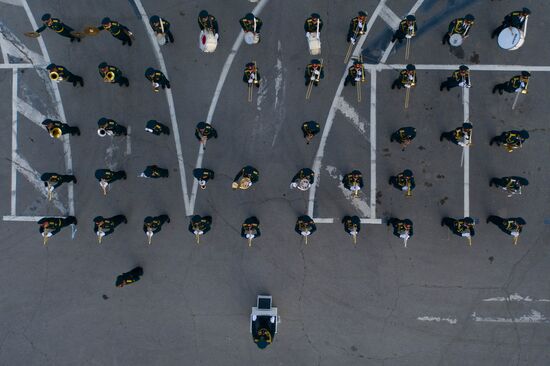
[(105, 297), (491, 259), (474, 59), (443, 200)]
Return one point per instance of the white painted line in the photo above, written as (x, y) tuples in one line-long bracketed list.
[(23, 167), (319, 220), (437, 319), (466, 103), (3, 48), (221, 81), (533, 317), (371, 221), (18, 66), (11, 2), (415, 7), (13, 141), (515, 297), (487, 67), (32, 114), (372, 144), (390, 17), (27, 218), (128, 141), (170, 99), (330, 118), (351, 113), (388, 49), (59, 107)]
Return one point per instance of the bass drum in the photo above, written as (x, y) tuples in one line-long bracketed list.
[(511, 38), (251, 37), (207, 42), (314, 44), (161, 39), (456, 40)]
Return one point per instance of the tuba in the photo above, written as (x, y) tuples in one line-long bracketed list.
[(56, 132), (54, 75), (109, 77)]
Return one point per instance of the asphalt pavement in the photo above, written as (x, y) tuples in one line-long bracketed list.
[(436, 302)]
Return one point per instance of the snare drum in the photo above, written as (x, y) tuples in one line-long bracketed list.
[(314, 44), (161, 39), (207, 41), (456, 40), (251, 37), (511, 38)]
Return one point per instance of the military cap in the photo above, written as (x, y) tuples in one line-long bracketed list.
[(411, 18), (362, 13), (203, 14), (525, 74), (154, 19), (469, 17), (463, 68), (46, 16), (105, 21), (249, 16), (467, 126), (407, 173), (411, 67), (315, 16), (524, 134), (102, 65)]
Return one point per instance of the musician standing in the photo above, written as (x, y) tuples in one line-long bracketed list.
[(154, 223), (310, 129), (407, 28), (403, 136), (356, 73), (117, 30), (112, 74), (515, 19), (314, 72), (353, 180), (109, 176), (403, 181), (110, 127), (517, 84), (357, 27), (511, 226), (49, 226), (513, 138), (313, 24), (106, 225), (200, 225), (58, 72), (156, 128), (55, 180), (461, 227), (203, 176), (161, 26), (460, 135), (250, 228), (157, 78), (252, 74), (460, 26), (406, 79), (250, 23), (208, 22), (401, 228), (56, 128), (460, 77), (57, 26)]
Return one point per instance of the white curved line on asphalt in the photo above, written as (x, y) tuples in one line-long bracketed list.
[(332, 112), (170, 99), (59, 107), (256, 11)]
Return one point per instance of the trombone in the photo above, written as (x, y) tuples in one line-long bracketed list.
[(50, 189), (409, 189), (315, 79), (45, 235), (100, 234)]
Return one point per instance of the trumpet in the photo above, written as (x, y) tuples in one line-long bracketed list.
[(409, 190), (54, 75), (109, 77)]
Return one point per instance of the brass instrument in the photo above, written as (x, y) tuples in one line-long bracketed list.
[(56, 132), (50, 191), (155, 86), (109, 77), (103, 184), (101, 132), (45, 235), (100, 234), (54, 75), (409, 190), (32, 34), (149, 235), (91, 31)]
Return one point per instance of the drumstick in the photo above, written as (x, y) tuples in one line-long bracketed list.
[(515, 100), (161, 25)]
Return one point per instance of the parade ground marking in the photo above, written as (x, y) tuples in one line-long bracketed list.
[(60, 111), (221, 81)]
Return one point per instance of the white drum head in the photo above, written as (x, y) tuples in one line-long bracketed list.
[(456, 40), (251, 37), (314, 44), (161, 39), (510, 38), (207, 41)]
